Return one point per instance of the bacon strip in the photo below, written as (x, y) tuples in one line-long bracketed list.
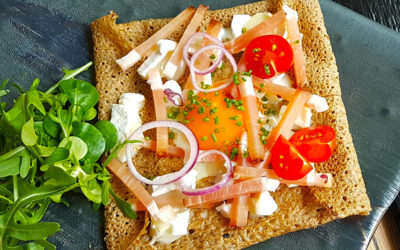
[(299, 61), (172, 65), (137, 53), (156, 84), (125, 176), (312, 179), (256, 149), (267, 27), (213, 29), (228, 192)]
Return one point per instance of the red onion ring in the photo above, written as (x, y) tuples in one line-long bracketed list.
[(224, 180), (171, 96), (190, 40), (194, 152), (197, 54)]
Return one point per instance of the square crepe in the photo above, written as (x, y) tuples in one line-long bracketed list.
[(298, 207)]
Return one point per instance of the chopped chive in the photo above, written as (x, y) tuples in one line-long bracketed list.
[(255, 50), (171, 135), (186, 121), (236, 78), (267, 70), (262, 85), (217, 130), (244, 30), (234, 117), (216, 94), (247, 73), (239, 123), (244, 79), (241, 108), (200, 110), (245, 154), (204, 138), (214, 138), (296, 42), (212, 57), (206, 119), (259, 121), (264, 99), (216, 120), (165, 99), (234, 153), (147, 138), (213, 110)]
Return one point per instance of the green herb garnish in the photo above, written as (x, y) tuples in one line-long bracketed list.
[(267, 70), (50, 146)]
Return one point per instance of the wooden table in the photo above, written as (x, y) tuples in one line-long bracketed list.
[(386, 12)]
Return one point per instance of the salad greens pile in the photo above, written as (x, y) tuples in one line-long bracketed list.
[(49, 145)]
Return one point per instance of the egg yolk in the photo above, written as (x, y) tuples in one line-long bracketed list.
[(216, 120)]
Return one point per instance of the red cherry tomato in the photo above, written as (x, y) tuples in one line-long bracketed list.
[(268, 55), (287, 162), (316, 144)]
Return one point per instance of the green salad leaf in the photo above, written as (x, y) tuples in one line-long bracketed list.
[(48, 147)]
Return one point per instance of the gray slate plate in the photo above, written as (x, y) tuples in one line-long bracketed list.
[(38, 38)]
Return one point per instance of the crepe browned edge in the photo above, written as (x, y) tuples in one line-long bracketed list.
[(299, 207)]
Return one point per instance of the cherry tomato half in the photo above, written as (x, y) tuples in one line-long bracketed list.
[(268, 55), (316, 144), (287, 162)]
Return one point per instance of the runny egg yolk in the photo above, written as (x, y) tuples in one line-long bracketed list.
[(216, 120)]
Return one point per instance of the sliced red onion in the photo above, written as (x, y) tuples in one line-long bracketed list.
[(224, 179), (190, 40), (197, 54), (194, 151), (174, 97)]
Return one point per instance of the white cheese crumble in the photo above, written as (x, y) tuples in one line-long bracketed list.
[(257, 19), (290, 13), (238, 22), (125, 117), (283, 80), (225, 34), (318, 103), (157, 58), (303, 120), (260, 204), (168, 232)]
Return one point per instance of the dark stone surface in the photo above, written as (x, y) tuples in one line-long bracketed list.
[(38, 38), (386, 12)]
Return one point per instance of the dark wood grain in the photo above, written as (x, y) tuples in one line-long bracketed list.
[(386, 12)]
